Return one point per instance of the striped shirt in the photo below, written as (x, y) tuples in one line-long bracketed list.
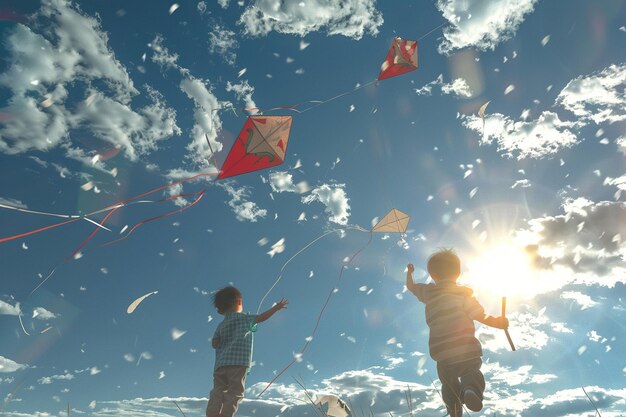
[(235, 334), (450, 313)]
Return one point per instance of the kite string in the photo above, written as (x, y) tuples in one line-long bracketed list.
[(311, 243), (430, 31), (321, 313), (43, 213), (317, 104)]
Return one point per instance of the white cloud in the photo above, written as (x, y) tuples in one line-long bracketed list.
[(621, 142), (43, 314), (66, 52), (351, 18), (207, 122), (599, 97), (528, 331), (523, 183), (574, 402), (334, 198), (161, 55), (46, 380), (583, 300), (8, 309), (619, 182), (583, 245), (544, 136), (243, 209), (243, 91), (137, 132), (481, 24), (7, 365), (223, 3), (282, 182), (223, 42), (458, 87), (515, 376)]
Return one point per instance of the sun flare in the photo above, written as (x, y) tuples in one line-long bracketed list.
[(504, 269)]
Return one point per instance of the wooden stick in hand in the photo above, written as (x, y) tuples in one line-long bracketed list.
[(506, 331)]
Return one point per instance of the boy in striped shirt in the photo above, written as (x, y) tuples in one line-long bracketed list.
[(450, 313), (232, 342)]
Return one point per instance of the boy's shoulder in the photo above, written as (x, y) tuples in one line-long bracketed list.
[(450, 287)]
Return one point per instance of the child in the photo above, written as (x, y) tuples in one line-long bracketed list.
[(450, 313), (232, 342)]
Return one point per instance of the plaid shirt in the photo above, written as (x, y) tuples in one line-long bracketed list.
[(235, 333)]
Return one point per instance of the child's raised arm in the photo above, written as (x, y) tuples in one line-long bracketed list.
[(410, 285), (269, 313)]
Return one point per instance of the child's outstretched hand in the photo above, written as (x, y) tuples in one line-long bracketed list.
[(410, 268), (281, 304), (502, 322)]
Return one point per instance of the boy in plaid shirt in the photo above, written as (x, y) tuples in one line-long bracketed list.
[(232, 342), (450, 313)]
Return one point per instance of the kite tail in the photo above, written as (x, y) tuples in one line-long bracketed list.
[(41, 229), (116, 207), (199, 195), (321, 313), (73, 218)]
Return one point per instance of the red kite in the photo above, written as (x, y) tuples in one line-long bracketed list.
[(261, 144), (401, 58)]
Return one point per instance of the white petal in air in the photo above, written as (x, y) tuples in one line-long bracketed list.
[(138, 301), (177, 334)]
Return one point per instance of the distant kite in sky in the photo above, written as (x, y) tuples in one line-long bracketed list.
[(336, 407), (401, 58), (394, 222), (261, 144)]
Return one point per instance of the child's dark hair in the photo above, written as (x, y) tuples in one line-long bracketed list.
[(226, 298), (444, 264)]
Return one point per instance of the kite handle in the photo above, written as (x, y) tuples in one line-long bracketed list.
[(506, 331)]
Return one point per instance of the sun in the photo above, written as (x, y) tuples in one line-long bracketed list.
[(503, 269)]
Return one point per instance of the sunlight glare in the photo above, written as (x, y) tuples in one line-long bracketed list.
[(503, 270)]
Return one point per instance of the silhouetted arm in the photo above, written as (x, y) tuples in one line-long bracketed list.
[(269, 313)]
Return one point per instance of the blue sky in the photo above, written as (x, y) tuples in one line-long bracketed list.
[(104, 100)]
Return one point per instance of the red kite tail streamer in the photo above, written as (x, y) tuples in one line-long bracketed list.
[(199, 195), (41, 229), (120, 204), (112, 207), (321, 313)]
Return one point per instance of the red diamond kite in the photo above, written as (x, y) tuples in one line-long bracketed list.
[(261, 144), (401, 58)]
